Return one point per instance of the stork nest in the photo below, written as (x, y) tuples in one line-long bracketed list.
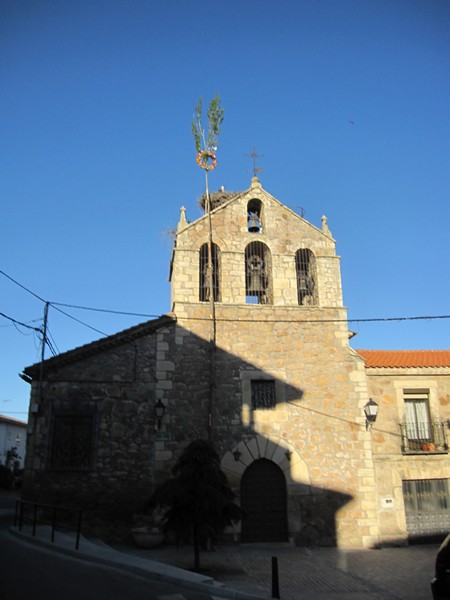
[(216, 199)]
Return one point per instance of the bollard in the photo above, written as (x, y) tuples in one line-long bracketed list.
[(275, 583)]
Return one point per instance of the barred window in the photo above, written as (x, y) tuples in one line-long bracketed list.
[(258, 274), (263, 394), (426, 495), (72, 442), (204, 283), (305, 267)]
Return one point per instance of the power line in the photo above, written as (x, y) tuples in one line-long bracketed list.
[(15, 322), (78, 321), (48, 304), (55, 305), (22, 286), (104, 310), (52, 342), (293, 321)]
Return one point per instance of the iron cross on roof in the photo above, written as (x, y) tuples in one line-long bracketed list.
[(255, 155)]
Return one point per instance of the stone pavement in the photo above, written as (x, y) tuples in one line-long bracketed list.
[(238, 571), (402, 573)]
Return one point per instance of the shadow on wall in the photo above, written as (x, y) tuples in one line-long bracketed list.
[(95, 442), (278, 501)]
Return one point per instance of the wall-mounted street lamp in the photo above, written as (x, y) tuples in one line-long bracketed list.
[(237, 455), (371, 412), (159, 410), (288, 454)]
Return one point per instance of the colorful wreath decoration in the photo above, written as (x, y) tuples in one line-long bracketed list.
[(206, 160)]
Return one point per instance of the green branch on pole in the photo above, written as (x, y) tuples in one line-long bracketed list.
[(206, 142)]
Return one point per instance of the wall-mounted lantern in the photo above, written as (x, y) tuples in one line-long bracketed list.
[(288, 454), (159, 410), (371, 412)]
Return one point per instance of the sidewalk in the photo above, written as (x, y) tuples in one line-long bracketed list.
[(244, 571), (314, 574), (149, 566)]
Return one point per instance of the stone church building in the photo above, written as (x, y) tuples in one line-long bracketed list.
[(255, 355)]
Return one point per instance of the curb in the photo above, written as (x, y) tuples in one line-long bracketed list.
[(150, 569)]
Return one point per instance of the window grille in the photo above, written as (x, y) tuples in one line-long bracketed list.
[(254, 216), (204, 283), (258, 279), (263, 394), (419, 433), (427, 495), (305, 267), (72, 442)]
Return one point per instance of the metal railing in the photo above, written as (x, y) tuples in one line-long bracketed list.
[(424, 438), (57, 517)]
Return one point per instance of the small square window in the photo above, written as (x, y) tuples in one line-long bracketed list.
[(263, 394)]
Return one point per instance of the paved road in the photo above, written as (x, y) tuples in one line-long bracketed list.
[(31, 572), (28, 571), (304, 574)]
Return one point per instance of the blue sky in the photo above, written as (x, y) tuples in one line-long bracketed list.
[(347, 101)]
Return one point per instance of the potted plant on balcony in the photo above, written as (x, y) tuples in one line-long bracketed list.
[(429, 447)]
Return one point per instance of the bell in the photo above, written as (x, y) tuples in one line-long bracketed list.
[(254, 224), (255, 284), (302, 284)]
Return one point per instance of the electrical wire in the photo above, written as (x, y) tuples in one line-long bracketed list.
[(293, 321), (104, 310), (22, 286), (15, 322), (50, 345), (55, 305), (50, 339), (81, 322)]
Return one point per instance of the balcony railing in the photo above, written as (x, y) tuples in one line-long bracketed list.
[(424, 438)]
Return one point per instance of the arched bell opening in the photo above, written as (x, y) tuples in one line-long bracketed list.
[(205, 278), (305, 267), (258, 274), (254, 216)]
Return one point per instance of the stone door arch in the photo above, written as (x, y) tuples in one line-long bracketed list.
[(264, 503)]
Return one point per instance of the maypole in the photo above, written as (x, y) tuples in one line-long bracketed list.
[(206, 159)]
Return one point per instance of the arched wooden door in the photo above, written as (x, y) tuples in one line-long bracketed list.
[(264, 500)]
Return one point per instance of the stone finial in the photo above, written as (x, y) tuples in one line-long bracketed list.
[(255, 183), (182, 222), (325, 228)]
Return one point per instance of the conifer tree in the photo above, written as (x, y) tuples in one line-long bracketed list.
[(197, 500)]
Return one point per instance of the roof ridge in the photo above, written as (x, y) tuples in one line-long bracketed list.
[(103, 343)]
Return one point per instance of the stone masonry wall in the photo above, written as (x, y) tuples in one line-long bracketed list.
[(320, 381), (283, 232), (118, 387), (392, 467), (320, 415)]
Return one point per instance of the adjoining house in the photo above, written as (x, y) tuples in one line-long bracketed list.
[(410, 441), (255, 356), (13, 435)]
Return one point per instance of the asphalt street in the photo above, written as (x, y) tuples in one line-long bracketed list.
[(43, 570)]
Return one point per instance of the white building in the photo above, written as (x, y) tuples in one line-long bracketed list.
[(13, 434)]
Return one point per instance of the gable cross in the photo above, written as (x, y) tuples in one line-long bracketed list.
[(254, 155)]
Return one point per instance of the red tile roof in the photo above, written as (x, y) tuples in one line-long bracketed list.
[(405, 358)]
